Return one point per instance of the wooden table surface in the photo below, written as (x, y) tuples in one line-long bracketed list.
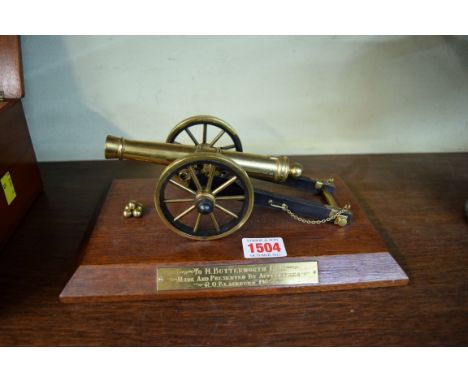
[(415, 201)]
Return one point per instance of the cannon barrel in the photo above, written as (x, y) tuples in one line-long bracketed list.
[(275, 168)]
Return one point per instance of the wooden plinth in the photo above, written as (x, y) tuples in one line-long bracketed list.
[(120, 257)]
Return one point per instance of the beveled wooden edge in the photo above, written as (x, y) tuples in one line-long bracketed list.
[(127, 282), (11, 67)]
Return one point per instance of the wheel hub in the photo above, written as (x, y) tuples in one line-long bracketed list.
[(205, 203)]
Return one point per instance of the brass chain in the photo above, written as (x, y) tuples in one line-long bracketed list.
[(309, 221), (300, 219)]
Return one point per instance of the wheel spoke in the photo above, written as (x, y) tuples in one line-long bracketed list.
[(210, 178), (225, 210), (231, 197), (217, 138), (224, 185), (195, 179), (215, 222), (197, 222), (191, 136), (184, 213), (205, 131), (229, 147), (178, 200), (182, 187)]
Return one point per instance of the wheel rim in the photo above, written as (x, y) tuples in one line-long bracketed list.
[(216, 201), (212, 132)]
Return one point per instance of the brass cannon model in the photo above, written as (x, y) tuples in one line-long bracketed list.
[(205, 192)]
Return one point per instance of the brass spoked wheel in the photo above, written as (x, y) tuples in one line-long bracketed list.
[(204, 196), (205, 130)]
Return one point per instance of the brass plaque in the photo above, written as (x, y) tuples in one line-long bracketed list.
[(237, 276)]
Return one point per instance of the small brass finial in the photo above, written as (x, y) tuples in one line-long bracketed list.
[(341, 220), (295, 170)]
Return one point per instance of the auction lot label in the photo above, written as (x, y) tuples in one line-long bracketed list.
[(263, 247)]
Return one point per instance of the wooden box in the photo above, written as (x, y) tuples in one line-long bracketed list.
[(19, 174)]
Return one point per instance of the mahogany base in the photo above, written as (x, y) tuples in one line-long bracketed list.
[(120, 257)]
